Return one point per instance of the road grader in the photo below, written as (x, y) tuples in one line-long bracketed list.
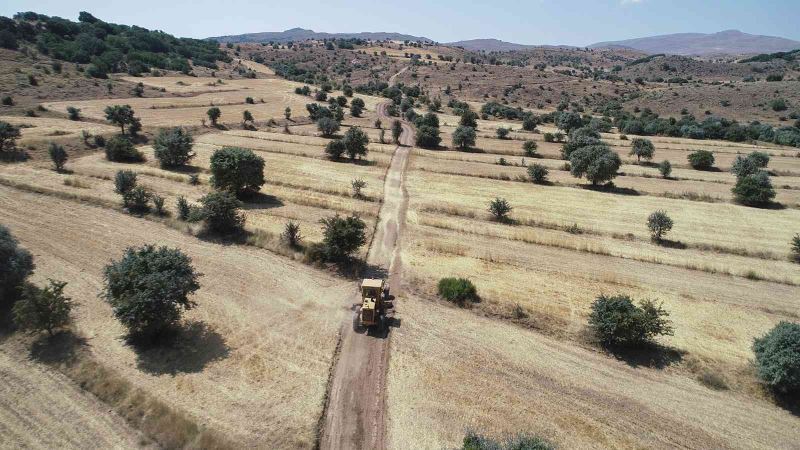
[(375, 300)]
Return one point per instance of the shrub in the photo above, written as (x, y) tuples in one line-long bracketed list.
[(16, 264), (158, 203), (469, 119), (358, 185), (754, 189), (457, 290), (221, 212), (701, 160), (549, 137), (502, 133), (597, 162), (43, 309), (173, 147), (137, 199), (7, 100), (183, 208), (665, 168), (464, 137), (342, 236), (428, 137), (99, 141), (752, 163), (579, 138), (8, 136), (249, 100), (659, 224), (617, 321), (795, 252), (529, 122), (537, 173), (149, 287), (642, 148), (58, 155), (778, 357), (291, 234), (73, 113), (500, 209), (355, 143), (124, 181), (530, 147), (327, 126), (335, 149), (569, 121), (397, 130), (214, 114), (356, 106), (237, 170), (522, 441), (121, 149), (778, 105), (121, 115)]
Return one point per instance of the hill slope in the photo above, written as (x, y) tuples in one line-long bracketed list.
[(724, 42), (301, 34), (489, 45)]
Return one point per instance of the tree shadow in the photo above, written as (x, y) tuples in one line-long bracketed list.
[(789, 401), (670, 244), (61, 347), (470, 150), (259, 200), (185, 169), (611, 189), (185, 349), (14, 155), (650, 355)]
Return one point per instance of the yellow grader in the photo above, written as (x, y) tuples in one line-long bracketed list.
[(374, 302)]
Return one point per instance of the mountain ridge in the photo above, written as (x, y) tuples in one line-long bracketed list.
[(723, 42)]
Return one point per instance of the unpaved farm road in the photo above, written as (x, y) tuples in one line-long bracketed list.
[(355, 410)]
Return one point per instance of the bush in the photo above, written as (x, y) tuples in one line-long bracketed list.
[(158, 203), (8, 136), (173, 147), (214, 114), (537, 173), (457, 290), (342, 236), (356, 106), (221, 212), (754, 190), (237, 170), (355, 143), (464, 137), (569, 121), (778, 105), (469, 119), (597, 162), (42, 309), (659, 224), (502, 133), (58, 155), (530, 147), (642, 148), (73, 113), (99, 141), (428, 137), (16, 264), (291, 234), (183, 208), (335, 149), (327, 126), (357, 185), (795, 252), (7, 100), (124, 181), (617, 321), (549, 137), (749, 165), (474, 441), (137, 199), (121, 149), (701, 160), (500, 209), (778, 357), (149, 287), (665, 168)]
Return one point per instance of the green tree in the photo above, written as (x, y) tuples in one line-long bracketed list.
[(291, 234), (749, 165), (569, 121), (287, 113), (616, 320), (665, 168), (149, 287), (58, 155), (596, 162), (16, 264), (659, 224), (469, 119), (43, 309), (701, 160), (120, 115), (357, 107), (335, 149), (502, 133), (173, 147), (355, 143), (221, 212), (237, 170), (464, 137), (795, 252), (73, 113), (530, 147), (124, 182), (8, 136), (778, 357), (247, 117), (754, 189), (500, 209), (642, 148), (538, 173), (121, 149), (428, 137), (522, 441), (214, 114), (342, 236), (327, 126), (529, 122), (397, 130)]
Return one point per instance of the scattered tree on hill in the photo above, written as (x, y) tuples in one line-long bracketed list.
[(291, 234), (578, 138), (502, 133), (357, 185), (16, 264), (221, 212), (237, 170), (121, 149), (327, 126), (569, 121), (749, 165), (357, 107), (73, 113), (529, 122), (287, 113), (121, 115), (500, 209), (124, 182), (173, 147), (795, 252), (778, 357), (597, 163), (701, 160), (464, 137), (397, 130), (754, 189), (247, 118), (355, 143), (538, 173), (665, 168), (428, 137), (659, 224), (457, 290), (214, 114), (335, 149), (530, 147), (342, 236), (616, 320), (58, 155), (642, 148), (149, 287), (8, 137), (42, 309), (469, 119), (137, 200)]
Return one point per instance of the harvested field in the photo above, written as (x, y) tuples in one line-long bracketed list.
[(35, 129)]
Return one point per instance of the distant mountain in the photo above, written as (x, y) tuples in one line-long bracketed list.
[(731, 42), (489, 45), (301, 34)]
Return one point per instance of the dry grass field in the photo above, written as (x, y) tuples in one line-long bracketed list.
[(35, 129)]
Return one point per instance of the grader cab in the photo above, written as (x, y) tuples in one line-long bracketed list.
[(372, 311)]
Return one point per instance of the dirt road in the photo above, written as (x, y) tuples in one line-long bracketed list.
[(355, 410)]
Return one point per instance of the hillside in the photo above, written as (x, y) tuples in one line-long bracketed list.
[(732, 42), (301, 34), (488, 45)]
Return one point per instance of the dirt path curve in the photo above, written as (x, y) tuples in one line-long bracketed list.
[(355, 410), (394, 77)]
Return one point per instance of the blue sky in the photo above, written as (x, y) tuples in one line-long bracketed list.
[(569, 22)]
